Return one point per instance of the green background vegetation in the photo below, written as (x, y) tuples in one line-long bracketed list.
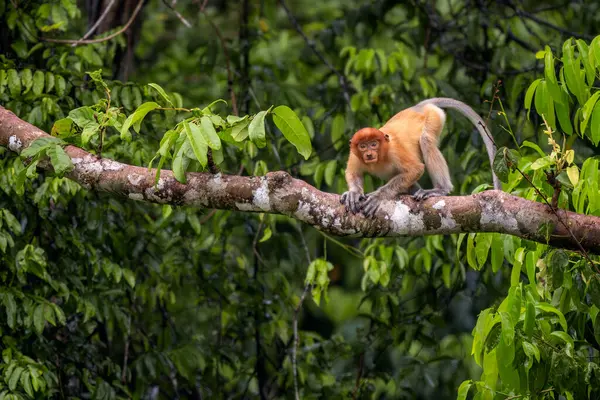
[(106, 298)]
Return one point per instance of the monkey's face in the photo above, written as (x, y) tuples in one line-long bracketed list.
[(369, 151)]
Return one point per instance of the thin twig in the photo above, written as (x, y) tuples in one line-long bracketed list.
[(361, 365), (96, 24), (181, 18), (103, 39), (342, 78), (126, 351), (297, 340)]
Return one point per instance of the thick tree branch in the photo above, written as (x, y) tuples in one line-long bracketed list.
[(279, 193)]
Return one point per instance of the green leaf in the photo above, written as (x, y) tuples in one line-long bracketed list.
[(14, 378), (548, 308), (60, 315), (239, 132), (531, 350), (257, 129), (527, 143), (26, 383), (11, 309), (12, 222), (180, 164), (529, 321), (562, 112), (162, 93), (60, 84), (89, 131), (14, 83), (49, 82), (338, 126), (210, 134), (26, 79), (330, 170), (266, 235), (542, 163), (38, 83), (550, 75), (586, 111), (585, 60), (564, 337), (38, 319), (544, 104), (136, 118), (39, 145), (595, 126), (292, 128), (529, 94), (197, 142), (573, 78), (482, 247), (471, 258), (61, 162), (126, 97)]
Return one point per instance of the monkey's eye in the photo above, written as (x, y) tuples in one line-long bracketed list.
[(374, 144), (362, 146)]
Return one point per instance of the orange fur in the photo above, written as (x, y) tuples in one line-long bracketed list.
[(408, 143), (402, 154)]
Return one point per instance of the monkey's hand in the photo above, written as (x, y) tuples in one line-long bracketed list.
[(352, 200), (373, 201), (423, 194)]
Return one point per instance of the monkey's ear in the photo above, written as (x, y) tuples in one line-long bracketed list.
[(350, 142), (387, 137)]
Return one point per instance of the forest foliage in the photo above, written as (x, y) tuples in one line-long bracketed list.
[(106, 298)]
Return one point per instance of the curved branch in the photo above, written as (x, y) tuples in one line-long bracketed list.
[(279, 193)]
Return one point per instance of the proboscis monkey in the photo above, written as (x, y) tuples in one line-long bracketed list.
[(400, 151)]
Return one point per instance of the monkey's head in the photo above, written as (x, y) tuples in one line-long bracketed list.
[(370, 145)]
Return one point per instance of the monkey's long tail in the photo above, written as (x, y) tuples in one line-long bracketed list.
[(447, 102)]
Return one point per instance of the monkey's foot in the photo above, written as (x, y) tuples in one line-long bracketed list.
[(423, 194), (371, 205), (352, 201)]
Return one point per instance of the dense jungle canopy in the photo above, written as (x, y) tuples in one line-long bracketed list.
[(170, 218)]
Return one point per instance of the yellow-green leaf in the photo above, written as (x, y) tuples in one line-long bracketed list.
[(573, 173), (292, 128)]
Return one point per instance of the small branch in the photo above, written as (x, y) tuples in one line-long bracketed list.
[(361, 364), (297, 340), (103, 39), (310, 43), (96, 24), (181, 18)]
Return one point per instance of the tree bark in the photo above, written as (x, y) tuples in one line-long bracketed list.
[(279, 193)]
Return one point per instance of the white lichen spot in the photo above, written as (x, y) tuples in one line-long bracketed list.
[(405, 222), (195, 198), (495, 217), (111, 165), (77, 160), (245, 206), (303, 211), (136, 196), (439, 205), (135, 179), (14, 143), (216, 183), (448, 223), (160, 185), (261, 196)]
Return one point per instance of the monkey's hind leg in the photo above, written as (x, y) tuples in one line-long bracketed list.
[(434, 160)]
